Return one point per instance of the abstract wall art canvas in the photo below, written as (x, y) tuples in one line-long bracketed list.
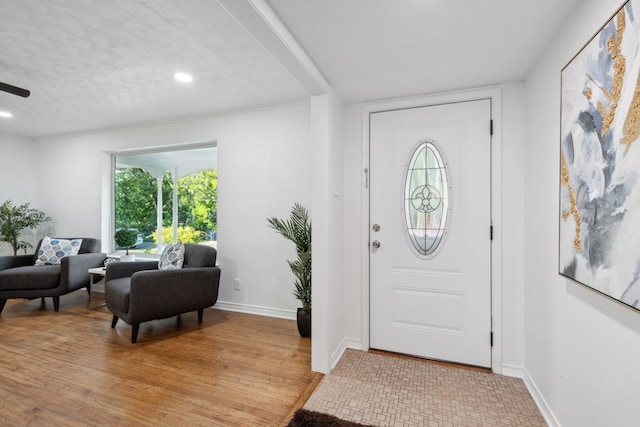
[(600, 161)]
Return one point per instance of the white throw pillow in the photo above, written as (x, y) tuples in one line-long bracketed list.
[(52, 250), (172, 257)]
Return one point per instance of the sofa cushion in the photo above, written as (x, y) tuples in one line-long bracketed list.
[(52, 250), (117, 294), (89, 245), (172, 257), (30, 277)]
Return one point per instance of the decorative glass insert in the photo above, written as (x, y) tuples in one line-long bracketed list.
[(426, 200)]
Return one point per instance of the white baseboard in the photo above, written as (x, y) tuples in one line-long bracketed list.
[(512, 371), (346, 343), (353, 344), (256, 309), (541, 403)]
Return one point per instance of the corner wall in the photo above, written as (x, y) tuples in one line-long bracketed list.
[(328, 302), (18, 156), (581, 349)]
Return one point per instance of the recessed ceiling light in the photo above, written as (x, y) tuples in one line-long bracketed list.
[(6, 114), (183, 77)]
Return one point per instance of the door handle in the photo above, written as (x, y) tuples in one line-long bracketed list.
[(375, 244)]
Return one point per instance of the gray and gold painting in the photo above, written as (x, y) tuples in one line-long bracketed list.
[(600, 161)]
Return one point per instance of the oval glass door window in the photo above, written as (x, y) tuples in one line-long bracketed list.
[(426, 203)]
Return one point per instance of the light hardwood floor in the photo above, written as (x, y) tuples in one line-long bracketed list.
[(71, 369)]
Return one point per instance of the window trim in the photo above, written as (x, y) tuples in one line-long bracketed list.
[(110, 214)]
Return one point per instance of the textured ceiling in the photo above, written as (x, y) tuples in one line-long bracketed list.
[(95, 64)]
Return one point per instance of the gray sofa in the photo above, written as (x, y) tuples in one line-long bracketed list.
[(137, 292), (21, 278)]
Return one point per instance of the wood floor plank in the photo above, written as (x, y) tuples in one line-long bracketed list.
[(70, 368)]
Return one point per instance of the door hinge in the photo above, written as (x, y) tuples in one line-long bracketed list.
[(491, 339), (491, 232), (491, 127)]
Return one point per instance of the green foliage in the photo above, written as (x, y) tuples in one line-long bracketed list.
[(135, 199), (186, 234), (14, 219), (301, 269), (136, 194), (197, 200), (297, 229), (125, 238)]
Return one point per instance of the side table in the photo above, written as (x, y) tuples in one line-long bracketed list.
[(93, 272)]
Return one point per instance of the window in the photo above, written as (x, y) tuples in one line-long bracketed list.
[(426, 199), (166, 196)]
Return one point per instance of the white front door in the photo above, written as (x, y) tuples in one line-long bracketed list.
[(430, 243)]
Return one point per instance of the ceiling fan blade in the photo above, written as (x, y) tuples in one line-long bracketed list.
[(15, 90)]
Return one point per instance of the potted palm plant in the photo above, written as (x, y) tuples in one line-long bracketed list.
[(297, 229), (14, 219)]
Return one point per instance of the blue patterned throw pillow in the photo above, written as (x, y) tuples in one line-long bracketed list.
[(172, 257), (53, 250)]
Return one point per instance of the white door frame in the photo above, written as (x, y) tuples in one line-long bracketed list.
[(494, 94)]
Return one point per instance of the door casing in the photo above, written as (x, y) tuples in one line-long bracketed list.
[(494, 94)]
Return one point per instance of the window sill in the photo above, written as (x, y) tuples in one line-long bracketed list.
[(139, 257)]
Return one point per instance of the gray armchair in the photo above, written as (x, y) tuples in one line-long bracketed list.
[(137, 292), (21, 278)]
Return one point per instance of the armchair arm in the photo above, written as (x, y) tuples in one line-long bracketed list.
[(74, 270), (165, 293), (7, 262), (118, 270)]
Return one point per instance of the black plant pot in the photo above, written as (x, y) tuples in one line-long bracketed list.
[(304, 322)]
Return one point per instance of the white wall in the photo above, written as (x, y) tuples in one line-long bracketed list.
[(264, 166), (328, 303), (353, 223), (581, 349), (510, 231), (17, 178), (336, 296), (17, 171)]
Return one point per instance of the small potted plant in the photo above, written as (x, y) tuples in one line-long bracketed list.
[(297, 229), (126, 239), (14, 219)]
